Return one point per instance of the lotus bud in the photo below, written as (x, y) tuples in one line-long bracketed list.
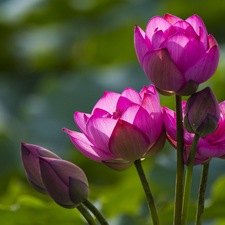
[(202, 113), (30, 158), (65, 182)]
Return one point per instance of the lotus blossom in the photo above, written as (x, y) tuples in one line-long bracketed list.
[(121, 128), (176, 55), (213, 145)]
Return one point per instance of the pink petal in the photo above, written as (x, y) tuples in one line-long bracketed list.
[(99, 131), (162, 71), (182, 50), (204, 67), (128, 142), (130, 113), (119, 165), (141, 46), (107, 102), (87, 148), (155, 24), (211, 151), (81, 120), (212, 41), (143, 91), (196, 22), (157, 39), (101, 113), (203, 47), (185, 28), (172, 19)]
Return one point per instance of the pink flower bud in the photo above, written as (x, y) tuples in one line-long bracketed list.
[(176, 55), (30, 158), (65, 182), (202, 113)]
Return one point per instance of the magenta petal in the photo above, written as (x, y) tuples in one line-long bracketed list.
[(162, 71), (130, 113), (56, 188), (87, 148), (128, 142), (182, 50), (172, 19), (81, 120), (141, 46), (204, 67), (155, 24), (107, 102), (101, 113), (119, 165), (203, 45), (132, 94), (99, 131), (185, 28), (157, 39), (212, 41), (211, 151)]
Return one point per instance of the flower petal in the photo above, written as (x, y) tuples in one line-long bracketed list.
[(99, 131), (87, 148), (141, 46), (185, 28), (155, 24), (204, 67), (157, 39), (119, 165), (162, 71), (182, 50), (81, 120), (172, 19), (107, 102), (211, 151), (128, 142)]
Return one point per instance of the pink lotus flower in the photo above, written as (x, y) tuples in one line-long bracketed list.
[(213, 145), (176, 55), (121, 128)]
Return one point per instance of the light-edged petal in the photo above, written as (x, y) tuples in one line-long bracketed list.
[(99, 131), (197, 22), (212, 41), (185, 28), (81, 120), (157, 39), (87, 148), (130, 113), (155, 24), (171, 19), (132, 94), (107, 102), (101, 113), (182, 50), (204, 67), (140, 44), (128, 142), (203, 42), (162, 71)]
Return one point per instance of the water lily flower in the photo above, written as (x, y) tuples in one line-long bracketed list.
[(213, 145), (30, 158), (121, 128), (65, 182), (176, 55)]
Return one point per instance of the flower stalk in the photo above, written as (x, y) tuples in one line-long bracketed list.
[(96, 212), (148, 193), (201, 194), (180, 163), (86, 215), (188, 179)]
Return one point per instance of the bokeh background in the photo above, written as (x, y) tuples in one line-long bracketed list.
[(58, 57)]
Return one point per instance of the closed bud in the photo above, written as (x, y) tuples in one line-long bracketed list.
[(202, 113), (65, 182), (30, 158)]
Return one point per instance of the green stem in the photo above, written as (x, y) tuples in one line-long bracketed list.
[(201, 194), (148, 193), (180, 163), (188, 179), (95, 211), (86, 215)]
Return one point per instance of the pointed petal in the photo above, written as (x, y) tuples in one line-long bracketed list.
[(81, 120), (157, 39), (99, 131), (141, 46), (212, 41), (128, 142), (101, 113), (162, 71), (107, 102), (196, 22), (182, 50), (204, 67), (87, 148), (185, 28), (119, 165), (172, 19), (155, 24), (203, 44)]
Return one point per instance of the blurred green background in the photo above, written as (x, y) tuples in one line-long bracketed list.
[(58, 57)]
